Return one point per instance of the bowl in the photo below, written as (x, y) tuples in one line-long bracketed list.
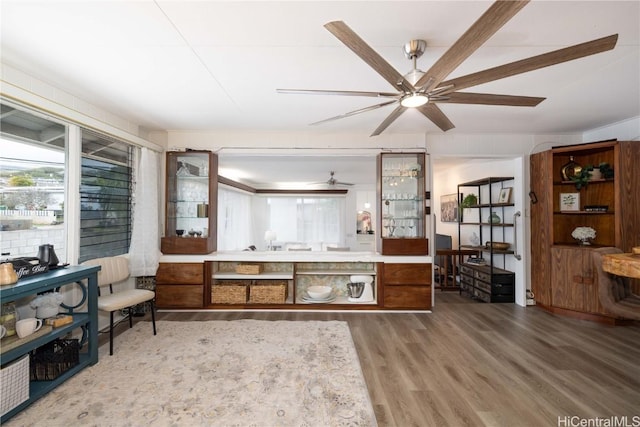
[(319, 292), (179, 233), (500, 246), (356, 289)]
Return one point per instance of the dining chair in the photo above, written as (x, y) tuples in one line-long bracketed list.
[(115, 270)]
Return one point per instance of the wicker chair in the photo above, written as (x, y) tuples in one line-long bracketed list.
[(115, 270), (615, 292)]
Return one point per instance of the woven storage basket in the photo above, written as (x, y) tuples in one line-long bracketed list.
[(54, 359), (268, 292), (229, 293), (14, 384), (249, 268)]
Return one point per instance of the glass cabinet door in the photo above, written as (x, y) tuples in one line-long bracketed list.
[(190, 202), (402, 203)]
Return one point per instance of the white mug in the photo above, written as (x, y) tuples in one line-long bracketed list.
[(26, 327)]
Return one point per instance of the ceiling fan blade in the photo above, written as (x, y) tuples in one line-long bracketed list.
[(350, 39), (490, 99), (339, 92), (435, 114), (491, 21), (390, 119), (533, 63), (354, 112)]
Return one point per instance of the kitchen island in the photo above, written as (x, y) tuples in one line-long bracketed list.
[(277, 280)]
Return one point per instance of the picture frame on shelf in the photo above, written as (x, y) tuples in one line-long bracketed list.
[(505, 195), (569, 202), (449, 208)]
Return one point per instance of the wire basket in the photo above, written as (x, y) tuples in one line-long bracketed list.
[(14, 384), (54, 359)]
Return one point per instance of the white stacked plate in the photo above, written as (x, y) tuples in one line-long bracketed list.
[(328, 299)]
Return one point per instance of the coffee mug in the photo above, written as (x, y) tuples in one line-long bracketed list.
[(26, 327)]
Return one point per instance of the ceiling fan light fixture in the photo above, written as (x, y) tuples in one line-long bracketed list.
[(413, 100)]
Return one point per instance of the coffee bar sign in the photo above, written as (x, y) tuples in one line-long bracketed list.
[(28, 266)]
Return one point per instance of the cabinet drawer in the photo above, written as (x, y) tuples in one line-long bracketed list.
[(483, 276), (407, 297), (407, 274), (505, 279), (466, 270), (483, 286), (179, 296), (466, 279), (483, 296), (180, 273), (500, 289)]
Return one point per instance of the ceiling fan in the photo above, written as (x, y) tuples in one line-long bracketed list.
[(332, 181), (423, 90)]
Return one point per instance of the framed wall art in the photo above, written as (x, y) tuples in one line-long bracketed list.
[(505, 195), (569, 201), (449, 208)]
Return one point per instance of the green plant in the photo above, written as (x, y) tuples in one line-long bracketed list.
[(469, 201), (606, 170), (582, 179)]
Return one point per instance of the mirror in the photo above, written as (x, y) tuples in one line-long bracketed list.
[(299, 172)]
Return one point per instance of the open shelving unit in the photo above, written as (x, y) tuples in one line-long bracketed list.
[(489, 282), (87, 321)]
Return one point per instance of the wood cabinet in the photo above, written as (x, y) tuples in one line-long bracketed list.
[(180, 285), (562, 275), (193, 285), (403, 197), (406, 286), (574, 280), (493, 219), (191, 203), (14, 348)]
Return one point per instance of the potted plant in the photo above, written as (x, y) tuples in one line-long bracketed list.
[(469, 201), (582, 179), (606, 170)]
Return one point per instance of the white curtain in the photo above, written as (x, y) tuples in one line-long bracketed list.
[(144, 253), (234, 220)]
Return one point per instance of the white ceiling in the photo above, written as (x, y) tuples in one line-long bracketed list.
[(213, 65)]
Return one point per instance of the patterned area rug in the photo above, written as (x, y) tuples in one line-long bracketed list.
[(216, 373)]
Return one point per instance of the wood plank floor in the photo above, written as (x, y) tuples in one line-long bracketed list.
[(474, 364)]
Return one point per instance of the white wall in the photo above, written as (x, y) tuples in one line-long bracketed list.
[(626, 130)]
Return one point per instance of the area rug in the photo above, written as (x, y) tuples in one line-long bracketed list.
[(216, 373)]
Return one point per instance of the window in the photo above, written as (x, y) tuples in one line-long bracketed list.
[(32, 182), (311, 220), (105, 196)]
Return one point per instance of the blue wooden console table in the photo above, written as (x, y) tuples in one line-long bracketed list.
[(87, 278)]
